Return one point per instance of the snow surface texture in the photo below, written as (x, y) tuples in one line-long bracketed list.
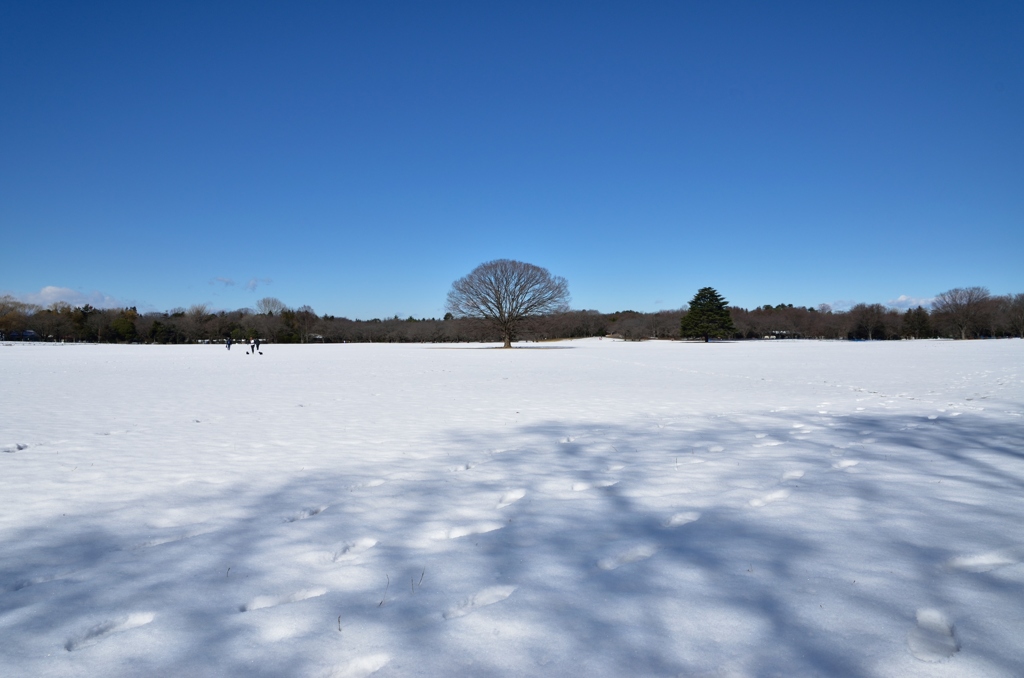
[(590, 508)]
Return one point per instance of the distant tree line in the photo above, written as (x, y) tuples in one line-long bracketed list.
[(963, 313)]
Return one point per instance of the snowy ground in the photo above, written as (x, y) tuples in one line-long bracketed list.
[(589, 508)]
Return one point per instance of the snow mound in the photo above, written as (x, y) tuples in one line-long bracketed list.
[(260, 602), (771, 497), (108, 628), (682, 518), (467, 530), (933, 639), (632, 555), (361, 667), (487, 596), (583, 486), (511, 497), (982, 562)]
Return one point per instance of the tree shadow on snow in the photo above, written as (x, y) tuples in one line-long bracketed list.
[(664, 548)]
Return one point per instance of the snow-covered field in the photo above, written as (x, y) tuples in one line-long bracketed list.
[(588, 508)]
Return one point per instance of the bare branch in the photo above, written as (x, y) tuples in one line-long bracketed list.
[(270, 306), (963, 307), (505, 292)]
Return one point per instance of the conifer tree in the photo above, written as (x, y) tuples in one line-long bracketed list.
[(916, 323), (708, 316)]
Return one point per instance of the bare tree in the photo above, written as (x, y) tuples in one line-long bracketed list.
[(504, 292), (269, 317), (305, 321), (1015, 313), (98, 323), (195, 318), (865, 321), (963, 307), (270, 306), (54, 321)]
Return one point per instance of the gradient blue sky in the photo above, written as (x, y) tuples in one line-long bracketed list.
[(359, 157)]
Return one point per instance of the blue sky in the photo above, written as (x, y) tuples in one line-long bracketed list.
[(359, 157)]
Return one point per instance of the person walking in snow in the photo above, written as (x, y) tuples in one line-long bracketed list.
[(228, 342), (257, 340)]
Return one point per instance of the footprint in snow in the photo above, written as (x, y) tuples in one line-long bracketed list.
[(260, 602), (635, 554), (347, 551), (684, 518), (466, 530), (172, 538), (777, 495), (351, 549), (982, 562), (845, 464), (584, 486), (376, 482), (511, 497), (793, 475), (488, 596), (20, 584), (360, 667), (305, 513), (108, 628), (934, 638)]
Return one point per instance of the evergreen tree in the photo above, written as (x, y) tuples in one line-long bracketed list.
[(124, 324), (708, 316), (916, 323)]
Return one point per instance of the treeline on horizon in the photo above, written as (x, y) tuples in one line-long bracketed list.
[(982, 316)]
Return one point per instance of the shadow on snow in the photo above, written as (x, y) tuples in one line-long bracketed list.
[(814, 582)]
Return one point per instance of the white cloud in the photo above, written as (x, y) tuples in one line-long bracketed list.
[(905, 302), (256, 282), (51, 294), (901, 302)]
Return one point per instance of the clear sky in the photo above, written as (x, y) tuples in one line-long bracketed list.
[(359, 157)]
